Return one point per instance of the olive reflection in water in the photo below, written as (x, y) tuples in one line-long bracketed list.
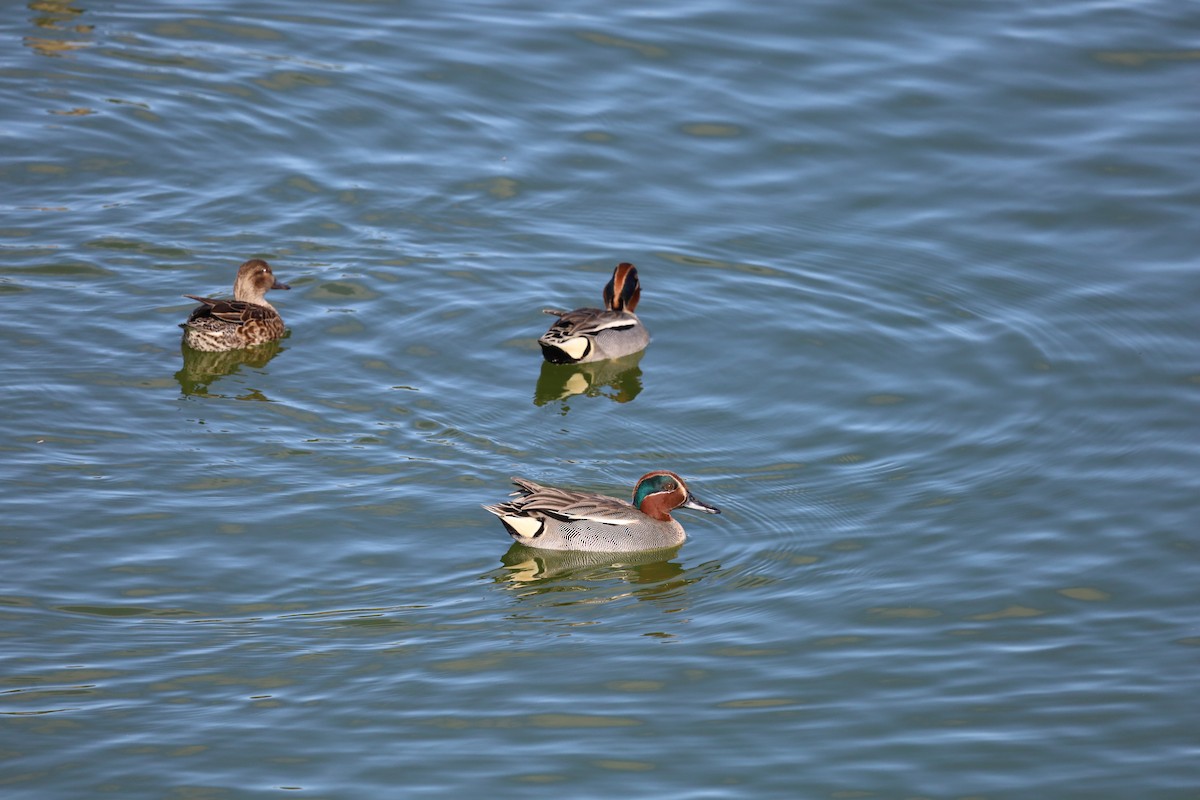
[(618, 379), (529, 566), (58, 33), (202, 368)]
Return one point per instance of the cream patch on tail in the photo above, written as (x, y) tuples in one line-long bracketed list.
[(575, 348), (525, 527)]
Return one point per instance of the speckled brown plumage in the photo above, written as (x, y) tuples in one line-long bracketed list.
[(246, 320)]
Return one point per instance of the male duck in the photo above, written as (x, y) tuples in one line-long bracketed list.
[(564, 519), (594, 334), (246, 320)]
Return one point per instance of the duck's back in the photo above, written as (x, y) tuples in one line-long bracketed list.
[(593, 334), (217, 325)]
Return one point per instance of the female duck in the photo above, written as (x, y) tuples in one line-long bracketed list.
[(246, 320), (594, 334), (564, 519)]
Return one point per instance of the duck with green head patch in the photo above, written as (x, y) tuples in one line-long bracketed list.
[(565, 519), (595, 334)]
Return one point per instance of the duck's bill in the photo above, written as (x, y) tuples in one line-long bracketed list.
[(280, 285), (692, 502)]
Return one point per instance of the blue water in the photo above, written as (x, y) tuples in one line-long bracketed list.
[(922, 291)]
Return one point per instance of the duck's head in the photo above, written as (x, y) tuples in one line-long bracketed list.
[(623, 291), (658, 493), (254, 280)]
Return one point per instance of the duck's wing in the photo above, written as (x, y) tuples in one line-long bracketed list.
[(586, 322), (237, 312), (565, 504)]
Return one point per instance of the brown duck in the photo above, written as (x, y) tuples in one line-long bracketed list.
[(246, 320)]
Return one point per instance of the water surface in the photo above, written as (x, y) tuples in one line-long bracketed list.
[(921, 287)]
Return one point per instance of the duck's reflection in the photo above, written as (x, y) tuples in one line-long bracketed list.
[(578, 577), (202, 368), (618, 379)]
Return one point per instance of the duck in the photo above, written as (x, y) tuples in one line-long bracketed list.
[(551, 518), (247, 320), (596, 334)]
